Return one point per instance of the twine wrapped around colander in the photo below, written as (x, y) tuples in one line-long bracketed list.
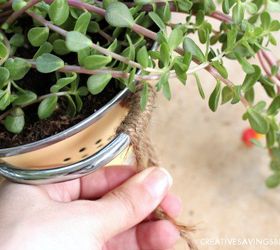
[(135, 125)]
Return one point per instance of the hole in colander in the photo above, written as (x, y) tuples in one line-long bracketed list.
[(98, 141), (110, 138), (82, 149), (84, 156), (100, 146), (67, 159)]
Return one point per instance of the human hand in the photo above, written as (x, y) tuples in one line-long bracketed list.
[(71, 215)]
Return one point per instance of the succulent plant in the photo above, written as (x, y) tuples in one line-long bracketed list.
[(112, 40)]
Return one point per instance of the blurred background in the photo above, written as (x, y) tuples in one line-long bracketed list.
[(220, 181)]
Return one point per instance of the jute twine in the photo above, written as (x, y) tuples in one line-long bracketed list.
[(135, 125)]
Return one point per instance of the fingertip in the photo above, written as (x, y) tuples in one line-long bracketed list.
[(172, 205)]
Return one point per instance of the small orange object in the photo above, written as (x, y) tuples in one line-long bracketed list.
[(249, 134)]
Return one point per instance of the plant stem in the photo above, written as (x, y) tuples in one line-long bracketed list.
[(40, 98), (94, 46), (267, 70), (271, 61), (121, 74), (48, 24), (18, 13)]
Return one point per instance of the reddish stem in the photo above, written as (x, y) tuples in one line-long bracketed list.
[(271, 61), (18, 13)]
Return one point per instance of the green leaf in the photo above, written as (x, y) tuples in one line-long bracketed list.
[(47, 107), (274, 70), (106, 3), (82, 54), (251, 8), (246, 66), (63, 82), (83, 91), (260, 106), (175, 38), (215, 97), (48, 63), (4, 52), (5, 99), (131, 82), (144, 96), (225, 6), (76, 41), (4, 76), (273, 181), (71, 107), (190, 46), (157, 20), (274, 25), (118, 15), (17, 67), (220, 68), (143, 57), (96, 83), (17, 40), (265, 20), (257, 121), (251, 79), (44, 48), (79, 103), (14, 122), (227, 94), (82, 23), (199, 19), (184, 5), (270, 137), (96, 61), (268, 86), (60, 48), (199, 86), (164, 54), (164, 83), (18, 4), (38, 35), (231, 38), (59, 11), (274, 107), (238, 13), (181, 66), (236, 94), (25, 97), (250, 95)]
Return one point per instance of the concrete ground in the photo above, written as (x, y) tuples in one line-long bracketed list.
[(220, 181)]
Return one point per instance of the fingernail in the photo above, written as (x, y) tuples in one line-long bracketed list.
[(158, 181)]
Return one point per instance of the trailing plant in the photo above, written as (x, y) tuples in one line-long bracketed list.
[(61, 38)]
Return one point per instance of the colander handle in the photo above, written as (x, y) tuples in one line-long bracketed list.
[(70, 172)]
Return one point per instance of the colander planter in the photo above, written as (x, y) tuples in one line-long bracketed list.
[(72, 153)]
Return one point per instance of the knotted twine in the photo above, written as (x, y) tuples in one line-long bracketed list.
[(135, 125)]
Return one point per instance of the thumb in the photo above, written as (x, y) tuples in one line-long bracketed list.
[(133, 201)]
